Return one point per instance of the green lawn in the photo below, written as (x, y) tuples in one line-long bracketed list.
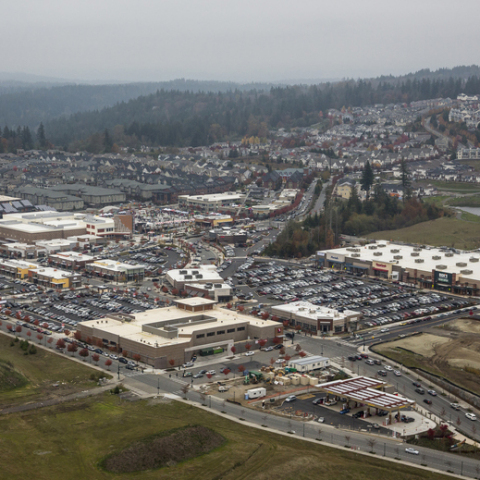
[(457, 187), (437, 200), (446, 231), (39, 372), (69, 440)]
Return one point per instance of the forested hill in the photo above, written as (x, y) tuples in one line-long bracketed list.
[(175, 118), (23, 104)]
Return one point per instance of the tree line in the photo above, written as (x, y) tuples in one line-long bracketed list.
[(184, 118), (13, 139)]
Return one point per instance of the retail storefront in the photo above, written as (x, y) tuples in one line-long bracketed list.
[(335, 261), (443, 280), (382, 269)]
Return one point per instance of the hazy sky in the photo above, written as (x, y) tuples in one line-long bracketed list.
[(239, 40)]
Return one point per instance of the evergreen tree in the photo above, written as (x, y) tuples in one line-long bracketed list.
[(42, 140), (27, 141), (405, 180), (107, 141), (367, 179)]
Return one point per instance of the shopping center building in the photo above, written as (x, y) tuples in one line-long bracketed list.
[(442, 268), (171, 336)]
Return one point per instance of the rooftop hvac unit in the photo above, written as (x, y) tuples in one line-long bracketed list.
[(398, 257), (417, 249), (461, 264), (194, 272), (441, 267), (394, 250), (466, 272), (188, 277), (449, 254), (419, 260), (372, 247), (183, 272), (473, 259), (415, 254), (436, 257), (382, 245), (198, 276), (355, 255), (378, 254)]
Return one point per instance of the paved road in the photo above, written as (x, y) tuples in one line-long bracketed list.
[(318, 207), (381, 445)]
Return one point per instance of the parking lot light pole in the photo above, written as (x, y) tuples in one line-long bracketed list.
[(158, 386), (118, 371), (384, 449)]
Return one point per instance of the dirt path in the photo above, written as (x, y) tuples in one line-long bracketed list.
[(56, 401)]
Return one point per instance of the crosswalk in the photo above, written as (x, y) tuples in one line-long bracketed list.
[(346, 343)]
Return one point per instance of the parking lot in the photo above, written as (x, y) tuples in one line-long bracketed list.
[(57, 312), (380, 303)]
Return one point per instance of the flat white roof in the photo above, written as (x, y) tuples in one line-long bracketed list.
[(307, 309), (116, 266), (195, 301), (210, 275), (213, 197), (308, 360), (133, 330), (54, 272), (18, 263), (443, 258), (362, 389), (73, 256)]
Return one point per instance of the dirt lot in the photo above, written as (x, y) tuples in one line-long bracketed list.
[(453, 353)]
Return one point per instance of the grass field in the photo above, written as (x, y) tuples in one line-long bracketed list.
[(469, 201), (446, 231), (437, 200), (469, 217), (39, 372), (456, 187), (69, 441)]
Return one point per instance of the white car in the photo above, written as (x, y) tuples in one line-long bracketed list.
[(113, 357), (249, 354), (388, 367), (268, 349), (412, 451), (397, 373), (433, 393), (471, 416), (211, 372)]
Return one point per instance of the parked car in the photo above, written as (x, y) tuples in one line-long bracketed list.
[(433, 393), (291, 398), (471, 416), (455, 406), (249, 354)]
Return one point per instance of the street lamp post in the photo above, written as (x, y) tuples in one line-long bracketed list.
[(158, 386)]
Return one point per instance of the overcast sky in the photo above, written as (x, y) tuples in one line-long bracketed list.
[(239, 40)]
